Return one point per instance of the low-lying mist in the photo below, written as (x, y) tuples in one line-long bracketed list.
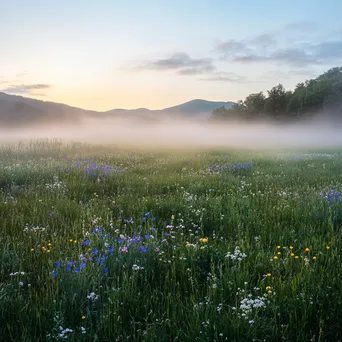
[(185, 134)]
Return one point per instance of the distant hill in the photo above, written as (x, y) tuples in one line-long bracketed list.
[(18, 110), (196, 107)]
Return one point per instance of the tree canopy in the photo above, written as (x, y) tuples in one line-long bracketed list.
[(321, 95)]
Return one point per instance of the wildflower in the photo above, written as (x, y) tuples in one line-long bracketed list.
[(58, 264), (137, 268), (54, 273), (314, 257), (143, 249), (75, 241), (48, 250), (83, 317), (327, 247), (21, 283), (202, 247), (172, 217), (268, 288), (70, 240), (279, 253), (291, 248), (49, 244), (32, 249), (204, 240), (307, 249), (269, 274), (237, 255), (296, 257), (292, 254), (275, 257), (93, 297), (278, 247)]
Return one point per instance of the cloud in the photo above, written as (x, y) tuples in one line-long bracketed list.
[(181, 63), (21, 74), (263, 48), (302, 26), (26, 89), (184, 65), (225, 77)]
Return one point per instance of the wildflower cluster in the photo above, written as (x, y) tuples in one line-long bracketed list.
[(237, 255)]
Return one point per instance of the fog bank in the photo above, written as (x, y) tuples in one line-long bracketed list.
[(183, 134)]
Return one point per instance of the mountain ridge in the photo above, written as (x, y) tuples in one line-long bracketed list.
[(17, 109)]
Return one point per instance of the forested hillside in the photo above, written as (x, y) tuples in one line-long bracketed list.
[(314, 97)]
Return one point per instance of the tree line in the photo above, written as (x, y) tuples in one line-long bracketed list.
[(319, 96)]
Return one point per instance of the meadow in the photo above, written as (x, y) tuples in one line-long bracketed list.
[(103, 244)]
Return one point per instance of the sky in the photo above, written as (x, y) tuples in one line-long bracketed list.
[(102, 54)]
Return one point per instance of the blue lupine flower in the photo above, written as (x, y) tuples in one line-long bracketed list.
[(54, 273), (58, 264), (144, 249)]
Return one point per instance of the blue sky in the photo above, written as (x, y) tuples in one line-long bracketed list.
[(130, 54)]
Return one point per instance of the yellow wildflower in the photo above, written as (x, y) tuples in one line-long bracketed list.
[(172, 217), (83, 317), (49, 244), (296, 257), (314, 258), (32, 249), (278, 247), (307, 249), (268, 288), (327, 247), (75, 241), (275, 257), (204, 240), (292, 254), (269, 274), (70, 240), (279, 253), (48, 251), (291, 247)]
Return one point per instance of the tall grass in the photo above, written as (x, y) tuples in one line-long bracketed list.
[(98, 244)]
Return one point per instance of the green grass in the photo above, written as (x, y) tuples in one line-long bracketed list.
[(179, 282)]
